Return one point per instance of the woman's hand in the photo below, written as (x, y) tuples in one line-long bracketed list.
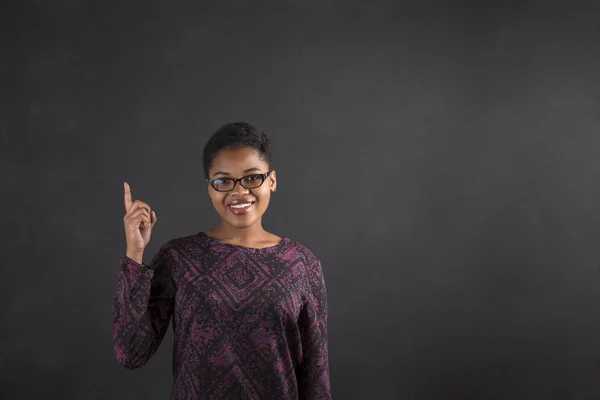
[(139, 220)]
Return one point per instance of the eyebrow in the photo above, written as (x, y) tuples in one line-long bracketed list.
[(245, 171)]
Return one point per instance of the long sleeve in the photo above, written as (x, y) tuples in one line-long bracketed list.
[(142, 308), (313, 374)]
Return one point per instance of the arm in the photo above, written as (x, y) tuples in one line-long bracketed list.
[(142, 309), (313, 375)]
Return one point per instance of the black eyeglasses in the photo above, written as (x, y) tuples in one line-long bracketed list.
[(247, 182)]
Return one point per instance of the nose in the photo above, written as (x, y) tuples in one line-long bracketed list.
[(237, 188)]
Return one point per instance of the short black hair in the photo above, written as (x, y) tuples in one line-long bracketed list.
[(235, 135)]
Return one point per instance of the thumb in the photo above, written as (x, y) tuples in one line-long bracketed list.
[(153, 219)]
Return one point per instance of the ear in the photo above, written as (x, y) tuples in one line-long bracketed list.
[(273, 180)]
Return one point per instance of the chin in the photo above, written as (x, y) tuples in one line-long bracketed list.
[(241, 222)]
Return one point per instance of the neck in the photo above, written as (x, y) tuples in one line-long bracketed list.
[(231, 233)]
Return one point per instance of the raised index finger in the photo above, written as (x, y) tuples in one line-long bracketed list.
[(128, 200)]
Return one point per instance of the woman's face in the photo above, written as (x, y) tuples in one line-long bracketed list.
[(241, 207)]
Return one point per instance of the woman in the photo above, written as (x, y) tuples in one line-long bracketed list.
[(249, 308)]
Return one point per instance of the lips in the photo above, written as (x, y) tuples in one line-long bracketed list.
[(240, 207)]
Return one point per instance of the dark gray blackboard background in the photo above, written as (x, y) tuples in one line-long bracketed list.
[(441, 158)]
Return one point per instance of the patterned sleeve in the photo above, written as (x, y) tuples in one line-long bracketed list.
[(313, 376), (142, 309)]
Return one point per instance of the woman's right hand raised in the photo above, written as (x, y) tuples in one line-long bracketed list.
[(139, 220)]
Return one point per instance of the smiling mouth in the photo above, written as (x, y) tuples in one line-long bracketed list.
[(240, 208)]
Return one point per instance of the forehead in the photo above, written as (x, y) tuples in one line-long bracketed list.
[(234, 161)]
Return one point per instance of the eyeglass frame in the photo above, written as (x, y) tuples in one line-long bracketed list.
[(264, 177)]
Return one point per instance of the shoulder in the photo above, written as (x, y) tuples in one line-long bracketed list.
[(182, 244), (301, 248), (311, 260), (312, 270)]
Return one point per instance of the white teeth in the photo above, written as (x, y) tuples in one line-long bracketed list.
[(240, 205)]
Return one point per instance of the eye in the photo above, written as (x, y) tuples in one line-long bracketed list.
[(253, 177), (222, 183)]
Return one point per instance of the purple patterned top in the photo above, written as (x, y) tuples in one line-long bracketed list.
[(248, 323)]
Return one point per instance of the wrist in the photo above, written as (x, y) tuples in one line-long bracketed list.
[(137, 256)]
